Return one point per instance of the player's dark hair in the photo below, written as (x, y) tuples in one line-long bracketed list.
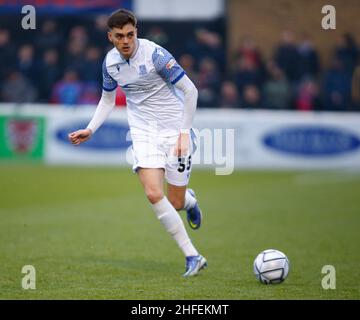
[(120, 18)]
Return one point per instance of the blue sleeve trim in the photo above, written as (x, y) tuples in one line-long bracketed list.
[(166, 65), (178, 77), (109, 84), (107, 89)]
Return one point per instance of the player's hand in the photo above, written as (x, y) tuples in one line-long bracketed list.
[(182, 145), (79, 136)]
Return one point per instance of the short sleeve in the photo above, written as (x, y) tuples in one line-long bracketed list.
[(109, 84), (166, 65)]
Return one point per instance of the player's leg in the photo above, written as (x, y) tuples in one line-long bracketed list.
[(183, 198), (148, 154), (177, 173), (152, 181), (176, 196), (180, 196)]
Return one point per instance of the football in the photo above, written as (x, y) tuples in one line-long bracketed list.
[(271, 266)]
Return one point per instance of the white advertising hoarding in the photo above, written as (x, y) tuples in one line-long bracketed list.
[(178, 9), (227, 139), (289, 140), (108, 146)]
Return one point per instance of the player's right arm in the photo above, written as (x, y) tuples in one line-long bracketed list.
[(106, 104)]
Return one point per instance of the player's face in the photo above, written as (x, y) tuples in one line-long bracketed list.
[(124, 39)]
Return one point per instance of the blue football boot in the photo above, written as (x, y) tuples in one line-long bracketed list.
[(194, 264)]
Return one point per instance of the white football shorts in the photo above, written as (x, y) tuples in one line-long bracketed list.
[(151, 151)]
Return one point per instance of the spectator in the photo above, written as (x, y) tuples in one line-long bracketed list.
[(79, 34), (246, 74), (74, 56), (207, 45), (230, 97), (308, 97), (251, 98), (277, 91), (90, 93), (308, 58), (337, 87), (68, 90), (158, 35), (287, 56), (347, 52), (98, 34), (7, 53), (91, 70), (49, 74), (16, 88), (49, 37), (248, 49), (26, 63), (187, 62), (208, 83)]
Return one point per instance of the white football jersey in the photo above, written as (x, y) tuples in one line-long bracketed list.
[(148, 78)]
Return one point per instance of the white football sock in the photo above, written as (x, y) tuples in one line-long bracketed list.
[(173, 224), (190, 201)]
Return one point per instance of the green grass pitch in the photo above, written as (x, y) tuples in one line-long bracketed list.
[(90, 234)]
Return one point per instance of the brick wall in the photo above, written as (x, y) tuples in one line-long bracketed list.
[(265, 19)]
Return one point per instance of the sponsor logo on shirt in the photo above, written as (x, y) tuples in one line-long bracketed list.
[(138, 88), (170, 64)]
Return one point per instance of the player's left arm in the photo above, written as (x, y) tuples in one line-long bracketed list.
[(190, 103), (168, 68)]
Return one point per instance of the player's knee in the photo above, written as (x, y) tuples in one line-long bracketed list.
[(177, 203), (154, 195)]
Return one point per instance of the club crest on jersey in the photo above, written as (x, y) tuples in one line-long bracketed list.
[(170, 64), (142, 70)]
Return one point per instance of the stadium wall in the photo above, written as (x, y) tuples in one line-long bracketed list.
[(227, 139)]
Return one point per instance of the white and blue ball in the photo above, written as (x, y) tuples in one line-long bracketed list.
[(271, 266)]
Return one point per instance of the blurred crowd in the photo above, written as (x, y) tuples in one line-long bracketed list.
[(61, 66), (293, 78)]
